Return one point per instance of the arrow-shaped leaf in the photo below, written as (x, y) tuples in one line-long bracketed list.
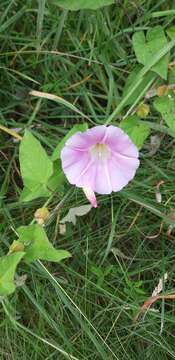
[(8, 266), (146, 47), (166, 106), (36, 167), (37, 246)]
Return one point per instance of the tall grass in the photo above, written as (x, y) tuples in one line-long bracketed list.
[(84, 308)]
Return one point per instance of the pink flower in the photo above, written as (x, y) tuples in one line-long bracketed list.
[(102, 159)]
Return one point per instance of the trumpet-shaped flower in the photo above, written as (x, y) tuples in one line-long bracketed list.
[(102, 159)]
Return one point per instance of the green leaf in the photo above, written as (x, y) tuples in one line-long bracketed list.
[(8, 266), (166, 106), (37, 192), (36, 167), (171, 32), (55, 184), (76, 128), (56, 181), (37, 245), (82, 4), (171, 76), (146, 48), (136, 130), (131, 80)]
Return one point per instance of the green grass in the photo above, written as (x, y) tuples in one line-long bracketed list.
[(76, 311)]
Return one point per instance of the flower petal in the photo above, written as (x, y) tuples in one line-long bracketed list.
[(90, 196), (102, 181), (102, 174), (83, 141), (120, 142), (121, 173), (73, 163)]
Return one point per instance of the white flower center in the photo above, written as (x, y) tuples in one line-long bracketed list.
[(100, 151)]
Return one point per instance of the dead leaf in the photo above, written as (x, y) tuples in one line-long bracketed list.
[(160, 285), (151, 92), (41, 215), (20, 280), (62, 229), (143, 110), (162, 90), (150, 301), (77, 211), (158, 193), (169, 231), (151, 237), (155, 142)]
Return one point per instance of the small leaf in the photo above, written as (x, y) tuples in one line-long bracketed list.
[(145, 49), (136, 130), (97, 271), (166, 106), (77, 211), (36, 167), (82, 4), (76, 128), (37, 245), (8, 266)]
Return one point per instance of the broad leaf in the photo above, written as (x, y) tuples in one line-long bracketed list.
[(36, 167), (77, 211), (55, 184), (132, 78), (38, 192), (166, 106), (37, 245), (56, 181), (75, 129), (136, 130), (82, 4), (146, 47), (8, 266)]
